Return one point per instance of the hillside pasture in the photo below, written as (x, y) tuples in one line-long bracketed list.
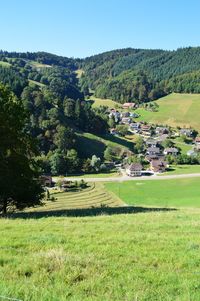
[(175, 110), (94, 196), (182, 169), (35, 83), (91, 144), (97, 102), (39, 65), (5, 64)]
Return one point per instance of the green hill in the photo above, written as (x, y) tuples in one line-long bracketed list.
[(140, 74), (175, 110)]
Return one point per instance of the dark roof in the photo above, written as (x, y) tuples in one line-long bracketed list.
[(158, 163), (153, 149), (151, 141), (135, 167), (171, 150)]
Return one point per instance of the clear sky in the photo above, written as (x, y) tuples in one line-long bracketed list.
[(81, 28)]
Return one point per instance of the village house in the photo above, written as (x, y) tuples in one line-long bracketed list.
[(161, 130), (116, 114), (151, 151), (114, 132), (134, 115), (149, 158), (46, 180), (129, 105), (126, 120), (134, 170), (186, 132), (192, 153), (171, 151), (134, 127), (197, 140), (162, 138), (125, 114), (158, 165), (151, 143), (197, 148), (146, 130)]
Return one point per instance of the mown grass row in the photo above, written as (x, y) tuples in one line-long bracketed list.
[(93, 196)]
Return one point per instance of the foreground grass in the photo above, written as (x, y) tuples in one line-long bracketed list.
[(149, 256), (163, 193), (175, 110)]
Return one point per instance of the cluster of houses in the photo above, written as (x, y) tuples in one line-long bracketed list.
[(154, 153), (153, 137), (125, 117)]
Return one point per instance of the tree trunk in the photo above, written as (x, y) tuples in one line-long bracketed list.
[(4, 209)]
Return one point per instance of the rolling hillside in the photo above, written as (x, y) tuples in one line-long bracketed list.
[(175, 110), (140, 75)]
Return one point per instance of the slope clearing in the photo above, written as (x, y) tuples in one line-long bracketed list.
[(175, 110)]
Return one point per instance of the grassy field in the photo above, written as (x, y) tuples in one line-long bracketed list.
[(162, 193), (92, 144), (39, 65), (4, 64), (145, 256), (34, 83), (96, 175), (104, 102), (182, 169), (182, 145), (79, 73), (94, 196), (175, 110)]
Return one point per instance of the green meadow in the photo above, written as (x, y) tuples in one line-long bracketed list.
[(89, 246), (162, 193), (5, 64), (145, 256), (104, 102), (181, 169), (175, 110)]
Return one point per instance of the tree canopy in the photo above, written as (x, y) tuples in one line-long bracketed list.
[(19, 174)]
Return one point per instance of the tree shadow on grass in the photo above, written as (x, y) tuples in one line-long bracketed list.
[(118, 140), (86, 212)]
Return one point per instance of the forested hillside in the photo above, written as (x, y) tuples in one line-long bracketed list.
[(141, 75), (55, 106), (54, 96)]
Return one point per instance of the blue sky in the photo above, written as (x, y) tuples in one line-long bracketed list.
[(81, 28)]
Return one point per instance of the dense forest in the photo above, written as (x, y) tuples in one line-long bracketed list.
[(141, 75), (55, 106)]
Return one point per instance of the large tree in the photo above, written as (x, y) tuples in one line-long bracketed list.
[(19, 178)]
